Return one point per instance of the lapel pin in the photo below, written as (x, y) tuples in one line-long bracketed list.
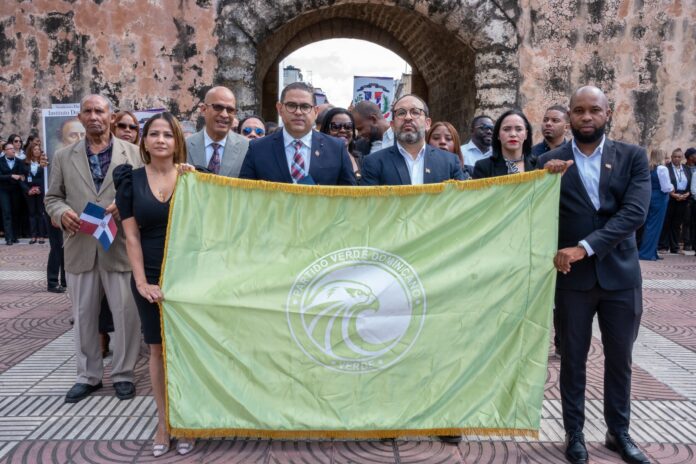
[(608, 166), (427, 171), (316, 153)]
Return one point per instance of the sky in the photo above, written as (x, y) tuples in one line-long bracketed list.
[(331, 65)]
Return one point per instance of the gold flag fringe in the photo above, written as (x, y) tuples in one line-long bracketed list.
[(348, 434)]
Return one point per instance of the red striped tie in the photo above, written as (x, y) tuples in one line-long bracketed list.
[(297, 169)]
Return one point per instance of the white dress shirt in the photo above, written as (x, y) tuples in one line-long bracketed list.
[(305, 150), (663, 176), (680, 175), (472, 153), (209, 147), (589, 168), (415, 166)]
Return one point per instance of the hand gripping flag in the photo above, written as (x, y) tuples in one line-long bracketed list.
[(95, 222)]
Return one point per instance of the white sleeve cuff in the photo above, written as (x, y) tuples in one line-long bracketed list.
[(587, 247)]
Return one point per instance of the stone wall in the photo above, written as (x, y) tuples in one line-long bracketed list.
[(469, 56)]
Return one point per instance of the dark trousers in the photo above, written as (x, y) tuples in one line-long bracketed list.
[(619, 314), (55, 269), (37, 216), (671, 231), (692, 223), (6, 207)]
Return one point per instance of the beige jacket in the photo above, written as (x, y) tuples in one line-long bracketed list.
[(70, 186)]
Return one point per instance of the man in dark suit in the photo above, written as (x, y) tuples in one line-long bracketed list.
[(12, 174), (676, 215), (216, 147), (605, 193), (298, 154), (410, 161)]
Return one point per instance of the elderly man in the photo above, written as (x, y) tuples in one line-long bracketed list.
[(82, 173), (410, 161), (605, 194), (216, 146)]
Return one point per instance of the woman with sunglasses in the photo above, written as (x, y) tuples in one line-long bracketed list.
[(511, 147), (252, 127), (17, 142), (125, 127), (339, 123)]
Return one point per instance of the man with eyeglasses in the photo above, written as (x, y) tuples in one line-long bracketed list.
[(216, 147), (297, 153), (410, 161), (479, 147)]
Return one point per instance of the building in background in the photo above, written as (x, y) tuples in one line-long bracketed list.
[(291, 74)]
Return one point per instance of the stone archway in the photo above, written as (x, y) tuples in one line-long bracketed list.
[(448, 44)]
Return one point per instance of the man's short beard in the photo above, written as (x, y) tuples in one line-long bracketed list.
[(411, 138), (591, 138)]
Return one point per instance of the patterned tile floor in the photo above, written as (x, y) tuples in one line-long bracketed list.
[(37, 368)]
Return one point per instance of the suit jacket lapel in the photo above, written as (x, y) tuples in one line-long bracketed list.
[(227, 156), (118, 156), (428, 168), (78, 156), (315, 154), (573, 175), (198, 151), (607, 167), (400, 165), (279, 155)]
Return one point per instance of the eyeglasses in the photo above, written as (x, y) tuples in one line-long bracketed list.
[(257, 130), (218, 108), (346, 126), (414, 112), (304, 107), (485, 127), (124, 126)]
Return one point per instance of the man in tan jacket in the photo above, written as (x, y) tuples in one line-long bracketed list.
[(82, 173)]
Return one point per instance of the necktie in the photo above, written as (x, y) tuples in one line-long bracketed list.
[(297, 169), (512, 166), (214, 164)]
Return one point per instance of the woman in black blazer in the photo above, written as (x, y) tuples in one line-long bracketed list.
[(33, 187), (511, 147)]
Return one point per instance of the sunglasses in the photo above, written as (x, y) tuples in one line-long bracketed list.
[(347, 126), (257, 130), (124, 126), (218, 108), (485, 127)]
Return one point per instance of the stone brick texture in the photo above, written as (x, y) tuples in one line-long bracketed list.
[(467, 57)]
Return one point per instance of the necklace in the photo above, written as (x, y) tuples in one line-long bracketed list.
[(160, 183)]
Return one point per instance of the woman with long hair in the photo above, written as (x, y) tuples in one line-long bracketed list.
[(33, 187), (444, 136), (659, 197), (339, 123), (125, 127), (143, 198), (511, 147)]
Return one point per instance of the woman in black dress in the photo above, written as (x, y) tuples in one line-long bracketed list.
[(33, 187), (142, 197), (511, 147)]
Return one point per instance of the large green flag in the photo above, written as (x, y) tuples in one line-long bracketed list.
[(358, 312)]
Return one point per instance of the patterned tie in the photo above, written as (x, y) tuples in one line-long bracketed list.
[(214, 164), (512, 166), (297, 169)]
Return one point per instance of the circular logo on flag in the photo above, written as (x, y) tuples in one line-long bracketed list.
[(356, 309)]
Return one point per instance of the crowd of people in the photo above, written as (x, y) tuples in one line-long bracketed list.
[(605, 198)]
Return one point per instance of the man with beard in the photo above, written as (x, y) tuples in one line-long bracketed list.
[(479, 147), (553, 127), (410, 161), (215, 146), (605, 194), (370, 125)]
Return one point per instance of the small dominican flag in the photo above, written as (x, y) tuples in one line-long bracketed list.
[(95, 222)]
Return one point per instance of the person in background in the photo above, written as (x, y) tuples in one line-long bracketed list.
[(33, 187), (444, 136), (690, 156), (370, 125), (339, 123), (479, 147), (676, 208), (511, 147), (17, 142), (252, 127), (125, 127), (553, 127), (143, 197), (321, 115), (12, 174), (660, 188)]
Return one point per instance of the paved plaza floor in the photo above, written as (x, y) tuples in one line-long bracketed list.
[(37, 368)]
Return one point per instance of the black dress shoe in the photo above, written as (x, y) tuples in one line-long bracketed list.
[(80, 391), (56, 289), (623, 444), (124, 390), (575, 452), (8, 243), (450, 439)]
